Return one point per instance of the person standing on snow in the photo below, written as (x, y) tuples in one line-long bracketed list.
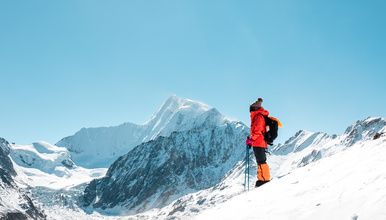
[(257, 141)]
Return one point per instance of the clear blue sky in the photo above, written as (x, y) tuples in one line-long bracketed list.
[(64, 65)]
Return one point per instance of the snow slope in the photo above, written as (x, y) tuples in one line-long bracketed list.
[(106, 144), (347, 185)]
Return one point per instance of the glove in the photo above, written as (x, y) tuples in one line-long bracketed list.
[(248, 141)]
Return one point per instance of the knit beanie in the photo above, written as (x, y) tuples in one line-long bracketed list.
[(256, 105)]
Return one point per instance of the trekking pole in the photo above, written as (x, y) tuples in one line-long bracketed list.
[(248, 165), (246, 168)]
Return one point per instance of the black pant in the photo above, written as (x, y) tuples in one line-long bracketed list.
[(261, 158)]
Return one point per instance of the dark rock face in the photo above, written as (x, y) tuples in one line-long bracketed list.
[(13, 216), (5, 162), (25, 209), (157, 172)]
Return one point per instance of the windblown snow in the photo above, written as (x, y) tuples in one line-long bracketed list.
[(314, 175)]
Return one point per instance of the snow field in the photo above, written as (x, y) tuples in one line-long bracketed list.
[(62, 178)]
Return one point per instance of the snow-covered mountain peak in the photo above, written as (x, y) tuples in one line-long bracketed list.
[(178, 114), (176, 104), (106, 144)]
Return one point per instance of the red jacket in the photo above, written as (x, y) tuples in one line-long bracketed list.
[(258, 128)]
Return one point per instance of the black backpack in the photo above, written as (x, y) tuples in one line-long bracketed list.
[(271, 128)]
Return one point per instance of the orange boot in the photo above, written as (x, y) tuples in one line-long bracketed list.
[(263, 175)]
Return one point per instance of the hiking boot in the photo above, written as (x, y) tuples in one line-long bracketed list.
[(260, 182)]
